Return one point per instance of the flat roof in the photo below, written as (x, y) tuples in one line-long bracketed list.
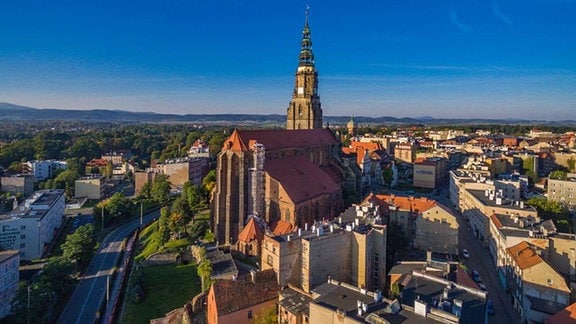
[(481, 196)]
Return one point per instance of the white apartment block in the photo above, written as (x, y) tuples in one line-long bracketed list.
[(9, 277), (563, 191), (45, 169), (31, 226)]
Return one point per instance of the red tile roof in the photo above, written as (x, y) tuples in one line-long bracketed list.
[(496, 221), (251, 232), (283, 227), (234, 295), (406, 203), (567, 315), (524, 255), (274, 139), (301, 179)]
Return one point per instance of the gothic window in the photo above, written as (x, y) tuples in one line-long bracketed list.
[(299, 109)]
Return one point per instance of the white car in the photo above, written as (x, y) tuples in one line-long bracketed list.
[(465, 254)]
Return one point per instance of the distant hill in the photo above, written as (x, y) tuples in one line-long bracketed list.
[(15, 112)]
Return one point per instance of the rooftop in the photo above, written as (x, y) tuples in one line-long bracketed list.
[(506, 203), (524, 256), (5, 255), (295, 302)]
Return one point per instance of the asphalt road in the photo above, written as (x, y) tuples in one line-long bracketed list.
[(84, 305), (481, 261)]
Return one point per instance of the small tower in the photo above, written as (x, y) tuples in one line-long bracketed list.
[(304, 110), (352, 127)]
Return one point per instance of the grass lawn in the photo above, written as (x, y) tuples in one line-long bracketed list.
[(150, 240), (165, 288)]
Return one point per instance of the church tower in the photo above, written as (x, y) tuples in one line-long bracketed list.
[(304, 111)]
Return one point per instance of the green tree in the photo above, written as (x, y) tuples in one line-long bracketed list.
[(394, 291), (205, 271), (558, 174), (209, 181), (79, 246), (571, 164), (160, 190)]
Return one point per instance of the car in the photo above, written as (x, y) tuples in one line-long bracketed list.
[(482, 286), (465, 254), (476, 276), (490, 308)]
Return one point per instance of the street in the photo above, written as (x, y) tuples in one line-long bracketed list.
[(481, 261), (85, 303)]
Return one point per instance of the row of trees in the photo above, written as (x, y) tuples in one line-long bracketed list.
[(42, 299), (145, 142), (556, 211)]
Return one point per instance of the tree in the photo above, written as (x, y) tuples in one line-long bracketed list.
[(558, 174), (205, 271), (79, 246), (209, 181), (160, 190), (394, 291), (571, 164)]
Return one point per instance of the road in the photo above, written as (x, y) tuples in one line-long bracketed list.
[(84, 305), (481, 261)]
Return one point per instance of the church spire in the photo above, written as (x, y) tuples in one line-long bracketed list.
[(304, 110), (306, 55)]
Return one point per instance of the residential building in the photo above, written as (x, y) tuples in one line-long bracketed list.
[(44, 169), (199, 149), (91, 187), (566, 315), (21, 183), (477, 206), (436, 298), (429, 225), (240, 300), (117, 157), (558, 249), (563, 190), (353, 252), (141, 178), (182, 170), (405, 152), (538, 291), (9, 277), (430, 172), (30, 227)]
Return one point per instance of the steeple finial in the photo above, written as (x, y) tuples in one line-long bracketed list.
[(306, 55)]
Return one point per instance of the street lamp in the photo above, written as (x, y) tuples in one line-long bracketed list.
[(28, 310)]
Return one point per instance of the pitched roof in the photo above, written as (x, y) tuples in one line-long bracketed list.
[(567, 315), (234, 295), (251, 232), (300, 178), (283, 227), (496, 221), (275, 139), (406, 203), (524, 255)]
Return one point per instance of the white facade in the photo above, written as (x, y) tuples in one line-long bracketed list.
[(43, 170), (30, 227), (9, 277)]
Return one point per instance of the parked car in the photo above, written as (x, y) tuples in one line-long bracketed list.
[(490, 308), (465, 254), (476, 276), (482, 286)]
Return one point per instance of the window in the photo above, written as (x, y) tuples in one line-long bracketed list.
[(23, 236), (23, 227), (249, 314), (270, 260), (22, 245)]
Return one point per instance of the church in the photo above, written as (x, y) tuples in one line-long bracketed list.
[(288, 178)]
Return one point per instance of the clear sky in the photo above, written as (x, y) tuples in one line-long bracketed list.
[(401, 58)]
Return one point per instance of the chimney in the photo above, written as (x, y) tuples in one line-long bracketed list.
[(306, 227), (299, 232), (253, 276), (428, 256), (288, 237), (331, 228), (522, 204)]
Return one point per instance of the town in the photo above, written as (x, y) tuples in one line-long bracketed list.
[(300, 222)]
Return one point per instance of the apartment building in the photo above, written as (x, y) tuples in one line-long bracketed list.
[(430, 172), (91, 187), (349, 252), (21, 183), (538, 290), (30, 227), (563, 190), (9, 277), (44, 169)]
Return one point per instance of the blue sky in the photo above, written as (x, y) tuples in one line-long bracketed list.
[(401, 58)]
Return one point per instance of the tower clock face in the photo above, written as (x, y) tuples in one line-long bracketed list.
[(300, 90)]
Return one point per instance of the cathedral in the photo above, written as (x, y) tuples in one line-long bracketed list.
[(288, 178)]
